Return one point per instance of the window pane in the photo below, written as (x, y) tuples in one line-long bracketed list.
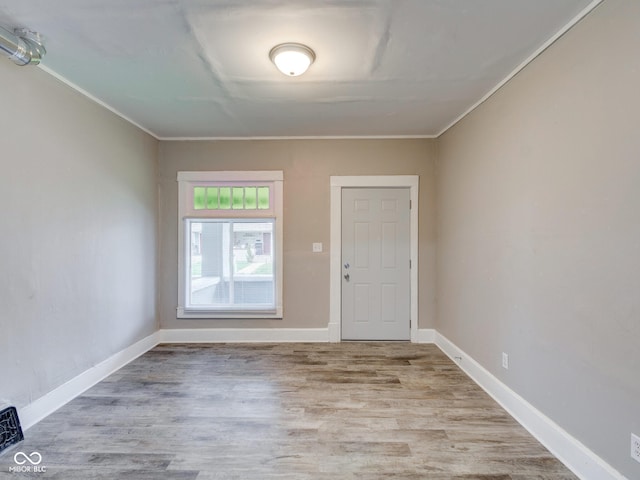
[(225, 198), (253, 282), (263, 198), (232, 264), (250, 198), (198, 198), (238, 198), (212, 198), (196, 258), (209, 265)]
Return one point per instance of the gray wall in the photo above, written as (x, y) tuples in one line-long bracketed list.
[(537, 210), (307, 166), (538, 195), (78, 208)]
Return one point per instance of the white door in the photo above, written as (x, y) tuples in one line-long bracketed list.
[(376, 264)]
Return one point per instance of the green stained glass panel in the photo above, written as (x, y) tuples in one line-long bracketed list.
[(198, 198), (225, 198), (250, 198), (238, 198), (212, 198), (263, 198)]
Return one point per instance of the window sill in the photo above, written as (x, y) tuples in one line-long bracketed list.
[(183, 313)]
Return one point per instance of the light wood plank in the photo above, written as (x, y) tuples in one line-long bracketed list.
[(287, 411)]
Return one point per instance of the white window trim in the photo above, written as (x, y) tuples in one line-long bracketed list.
[(186, 180)]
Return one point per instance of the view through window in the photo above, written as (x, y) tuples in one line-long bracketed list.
[(231, 264)]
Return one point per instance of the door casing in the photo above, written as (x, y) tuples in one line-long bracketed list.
[(337, 183)]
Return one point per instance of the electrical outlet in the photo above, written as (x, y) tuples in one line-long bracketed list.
[(635, 447), (505, 361)]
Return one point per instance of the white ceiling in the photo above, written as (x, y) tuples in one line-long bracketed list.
[(200, 68)]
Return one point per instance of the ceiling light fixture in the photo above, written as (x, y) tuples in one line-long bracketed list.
[(292, 59)]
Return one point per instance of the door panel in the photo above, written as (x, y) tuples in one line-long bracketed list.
[(389, 245), (361, 303), (375, 264), (361, 245)]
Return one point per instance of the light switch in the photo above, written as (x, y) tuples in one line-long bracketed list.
[(317, 247)]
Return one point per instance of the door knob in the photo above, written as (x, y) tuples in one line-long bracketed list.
[(346, 265), (346, 277)]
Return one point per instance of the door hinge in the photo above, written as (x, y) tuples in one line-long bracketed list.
[(410, 205), (409, 264)]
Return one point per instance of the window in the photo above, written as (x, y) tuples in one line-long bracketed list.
[(230, 241), (231, 198)]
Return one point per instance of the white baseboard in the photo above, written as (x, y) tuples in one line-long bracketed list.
[(244, 335), (571, 452), (52, 401), (258, 335), (426, 335)]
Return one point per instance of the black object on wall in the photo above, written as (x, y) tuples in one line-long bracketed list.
[(10, 429)]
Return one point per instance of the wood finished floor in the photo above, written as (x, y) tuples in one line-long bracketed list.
[(289, 411)]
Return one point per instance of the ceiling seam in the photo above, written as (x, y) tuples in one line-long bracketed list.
[(301, 137), (573, 22), (95, 99)]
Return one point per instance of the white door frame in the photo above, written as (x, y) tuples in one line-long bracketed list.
[(335, 280)]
